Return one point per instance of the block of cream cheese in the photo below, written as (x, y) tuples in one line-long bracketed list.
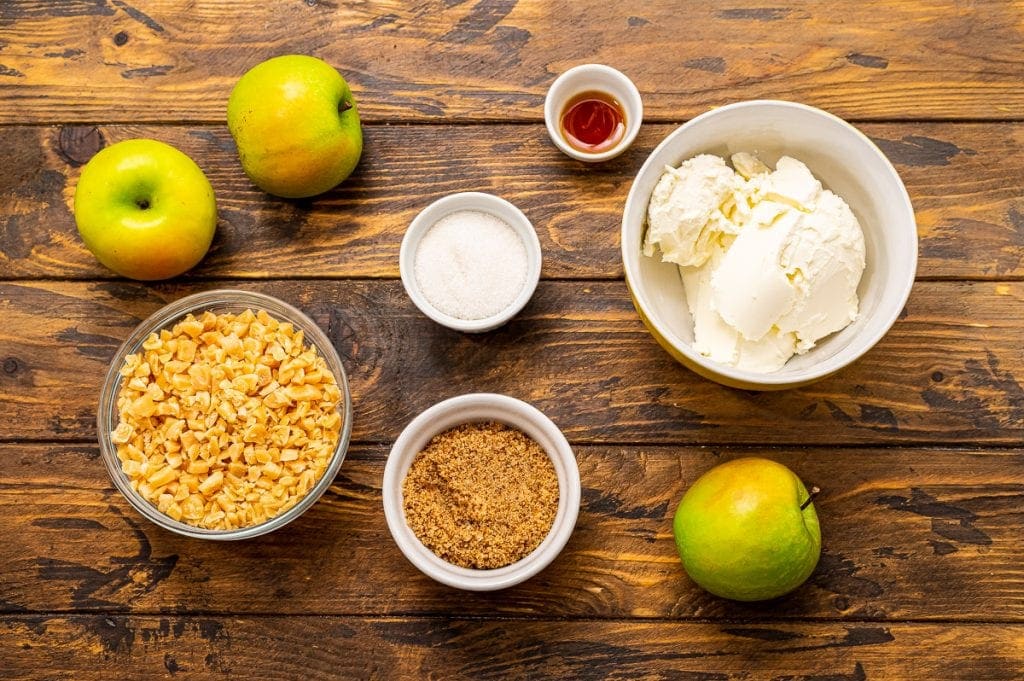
[(770, 260)]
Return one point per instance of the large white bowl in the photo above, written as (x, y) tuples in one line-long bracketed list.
[(472, 408), (846, 162)]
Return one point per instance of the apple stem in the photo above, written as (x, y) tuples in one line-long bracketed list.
[(810, 497), (344, 105)]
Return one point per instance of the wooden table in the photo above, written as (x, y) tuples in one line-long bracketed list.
[(917, 447)]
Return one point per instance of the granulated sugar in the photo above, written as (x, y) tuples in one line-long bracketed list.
[(471, 265)]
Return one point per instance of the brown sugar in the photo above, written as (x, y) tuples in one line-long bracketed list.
[(481, 495)]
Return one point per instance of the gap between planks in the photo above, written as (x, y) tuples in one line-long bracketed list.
[(604, 444), (399, 617), (466, 122), (201, 279)]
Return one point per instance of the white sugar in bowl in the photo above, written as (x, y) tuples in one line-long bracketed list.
[(470, 261)]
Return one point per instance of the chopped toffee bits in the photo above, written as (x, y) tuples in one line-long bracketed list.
[(226, 420), (481, 495)]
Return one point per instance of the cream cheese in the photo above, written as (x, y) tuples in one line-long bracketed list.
[(685, 212), (770, 260)]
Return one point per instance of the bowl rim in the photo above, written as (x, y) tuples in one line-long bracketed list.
[(512, 412), (485, 203), (167, 315), (722, 373), (552, 112)]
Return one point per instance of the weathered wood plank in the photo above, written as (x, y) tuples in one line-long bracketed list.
[(908, 534), (102, 647), (948, 372), (962, 178), (174, 60)]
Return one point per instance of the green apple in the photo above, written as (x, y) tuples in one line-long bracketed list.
[(145, 209), (296, 126), (747, 530)]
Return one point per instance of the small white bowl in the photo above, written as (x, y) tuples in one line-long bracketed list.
[(481, 407), (475, 201), (846, 162), (593, 77)]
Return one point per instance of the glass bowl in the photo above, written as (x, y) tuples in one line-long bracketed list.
[(219, 301)]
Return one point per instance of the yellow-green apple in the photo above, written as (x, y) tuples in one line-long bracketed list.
[(747, 530), (296, 126), (145, 209)]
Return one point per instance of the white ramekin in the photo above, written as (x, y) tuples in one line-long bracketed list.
[(481, 407), (592, 77), (485, 203)]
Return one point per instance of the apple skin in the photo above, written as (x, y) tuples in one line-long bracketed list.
[(145, 209), (296, 126), (741, 533)]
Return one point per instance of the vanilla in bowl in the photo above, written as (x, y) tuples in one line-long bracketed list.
[(593, 122), (593, 112)]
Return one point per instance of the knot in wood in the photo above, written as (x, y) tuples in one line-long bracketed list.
[(76, 144)]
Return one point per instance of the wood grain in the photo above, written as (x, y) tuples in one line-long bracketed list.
[(908, 534), (963, 180), (89, 647), (177, 60), (947, 372), (917, 447)]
